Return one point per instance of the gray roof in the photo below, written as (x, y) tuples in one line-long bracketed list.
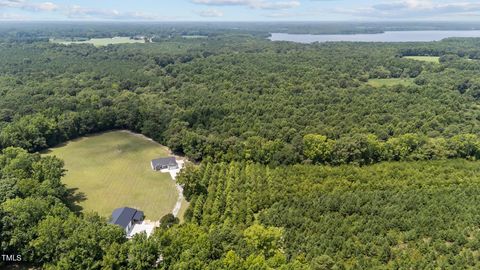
[(123, 216), (168, 161)]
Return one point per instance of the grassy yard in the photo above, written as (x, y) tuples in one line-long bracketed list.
[(98, 42), (113, 170), (390, 82), (430, 59)]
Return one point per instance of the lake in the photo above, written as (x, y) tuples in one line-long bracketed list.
[(389, 36)]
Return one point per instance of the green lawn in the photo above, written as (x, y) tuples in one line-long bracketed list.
[(98, 42), (390, 82), (430, 59), (113, 170)]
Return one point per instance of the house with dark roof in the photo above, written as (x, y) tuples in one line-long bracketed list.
[(126, 218), (169, 163)]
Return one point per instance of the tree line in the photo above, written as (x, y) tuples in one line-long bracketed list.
[(368, 149)]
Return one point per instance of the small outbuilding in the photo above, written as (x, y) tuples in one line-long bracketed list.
[(169, 163), (126, 218)]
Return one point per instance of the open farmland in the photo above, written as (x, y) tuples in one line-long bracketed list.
[(113, 170), (98, 42), (390, 82), (430, 59)]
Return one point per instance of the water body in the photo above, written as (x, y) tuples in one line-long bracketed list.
[(391, 36)]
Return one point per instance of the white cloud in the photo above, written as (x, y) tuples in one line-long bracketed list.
[(428, 5), (255, 4), (30, 6), (210, 13), (46, 6), (415, 4), (278, 5), (288, 14), (78, 12), (9, 3), (418, 9)]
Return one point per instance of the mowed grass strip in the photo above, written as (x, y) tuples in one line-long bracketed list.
[(113, 170), (430, 59), (391, 82)]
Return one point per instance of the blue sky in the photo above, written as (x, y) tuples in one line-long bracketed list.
[(240, 10)]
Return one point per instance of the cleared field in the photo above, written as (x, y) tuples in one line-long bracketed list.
[(194, 36), (98, 42), (430, 59), (113, 170), (390, 82)]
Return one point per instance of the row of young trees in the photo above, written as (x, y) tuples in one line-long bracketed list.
[(408, 215)]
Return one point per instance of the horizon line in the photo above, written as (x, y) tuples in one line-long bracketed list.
[(242, 21)]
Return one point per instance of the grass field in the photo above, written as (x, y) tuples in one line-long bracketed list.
[(430, 59), (98, 42), (194, 36), (390, 82), (113, 170)]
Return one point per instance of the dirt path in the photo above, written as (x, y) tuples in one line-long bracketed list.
[(178, 205), (173, 174)]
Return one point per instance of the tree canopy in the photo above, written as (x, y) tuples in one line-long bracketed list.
[(300, 162)]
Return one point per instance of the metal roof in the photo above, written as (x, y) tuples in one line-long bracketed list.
[(123, 216), (168, 161)]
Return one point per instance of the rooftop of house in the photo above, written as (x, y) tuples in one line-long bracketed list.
[(168, 161), (123, 216)]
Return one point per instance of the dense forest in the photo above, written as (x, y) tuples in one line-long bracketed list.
[(302, 164), (242, 98)]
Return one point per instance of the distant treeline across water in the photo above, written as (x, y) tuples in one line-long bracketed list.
[(390, 36)]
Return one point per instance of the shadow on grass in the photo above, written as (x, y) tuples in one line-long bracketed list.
[(73, 199), (50, 150), (46, 151)]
